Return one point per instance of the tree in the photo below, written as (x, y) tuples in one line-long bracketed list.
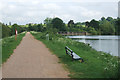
[(94, 24), (92, 30), (103, 18), (107, 28), (0, 30), (30, 27), (71, 24), (5, 31), (40, 27), (48, 22), (118, 26), (109, 19), (35, 27), (87, 24), (58, 24), (15, 26)]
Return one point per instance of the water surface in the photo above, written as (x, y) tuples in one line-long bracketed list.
[(108, 44)]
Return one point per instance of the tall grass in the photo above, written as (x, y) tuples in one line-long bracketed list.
[(96, 64), (9, 44)]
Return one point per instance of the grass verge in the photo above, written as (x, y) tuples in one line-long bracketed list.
[(96, 64), (9, 44)]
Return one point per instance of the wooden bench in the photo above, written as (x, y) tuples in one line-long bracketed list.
[(73, 54)]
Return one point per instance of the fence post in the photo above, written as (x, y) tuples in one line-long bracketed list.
[(47, 37)]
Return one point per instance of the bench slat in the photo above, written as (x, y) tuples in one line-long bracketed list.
[(73, 54)]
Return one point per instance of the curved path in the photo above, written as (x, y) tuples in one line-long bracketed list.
[(31, 59)]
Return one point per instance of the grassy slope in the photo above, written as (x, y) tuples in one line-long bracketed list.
[(9, 44), (95, 65)]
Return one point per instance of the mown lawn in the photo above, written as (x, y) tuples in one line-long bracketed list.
[(96, 64), (9, 44)]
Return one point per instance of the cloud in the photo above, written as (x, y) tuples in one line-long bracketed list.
[(25, 11), (89, 13), (51, 6), (63, 0)]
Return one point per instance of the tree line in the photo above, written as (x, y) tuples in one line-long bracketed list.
[(9, 30), (105, 26)]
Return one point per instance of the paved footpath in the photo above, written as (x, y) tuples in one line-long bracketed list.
[(31, 59)]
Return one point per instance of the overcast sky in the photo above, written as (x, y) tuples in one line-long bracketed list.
[(35, 11)]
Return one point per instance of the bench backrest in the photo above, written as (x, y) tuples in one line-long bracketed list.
[(72, 54)]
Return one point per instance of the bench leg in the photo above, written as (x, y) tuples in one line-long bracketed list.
[(72, 58)]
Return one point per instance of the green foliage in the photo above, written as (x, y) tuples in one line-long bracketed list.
[(48, 22), (109, 19), (40, 27), (9, 30), (87, 24), (6, 31), (15, 26), (117, 28), (36, 27), (58, 24), (103, 18), (94, 24), (0, 30), (71, 24), (92, 30), (96, 64), (107, 28)]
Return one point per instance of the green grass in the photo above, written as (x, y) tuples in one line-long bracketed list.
[(96, 64), (9, 44)]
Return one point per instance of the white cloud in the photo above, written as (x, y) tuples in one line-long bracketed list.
[(90, 14), (51, 6), (66, 17), (65, 0), (24, 11), (84, 13)]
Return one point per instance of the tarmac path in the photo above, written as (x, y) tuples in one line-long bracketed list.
[(31, 59)]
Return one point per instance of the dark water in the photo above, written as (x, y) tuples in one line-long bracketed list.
[(108, 44)]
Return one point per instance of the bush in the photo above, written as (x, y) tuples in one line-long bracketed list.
[(6, 31)]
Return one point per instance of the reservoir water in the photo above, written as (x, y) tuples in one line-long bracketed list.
[(108, 44)]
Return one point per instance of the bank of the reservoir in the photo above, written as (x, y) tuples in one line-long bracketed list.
[(96, 64), (73, 33)]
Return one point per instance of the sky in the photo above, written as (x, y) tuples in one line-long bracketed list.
[(36, 11), (119, 9)]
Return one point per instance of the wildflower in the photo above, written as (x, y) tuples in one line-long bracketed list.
[(113, 65), (102, 54), (105, 68), (117, 61), (105, 58)]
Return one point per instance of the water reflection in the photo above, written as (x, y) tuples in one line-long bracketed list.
[(108, 44)]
